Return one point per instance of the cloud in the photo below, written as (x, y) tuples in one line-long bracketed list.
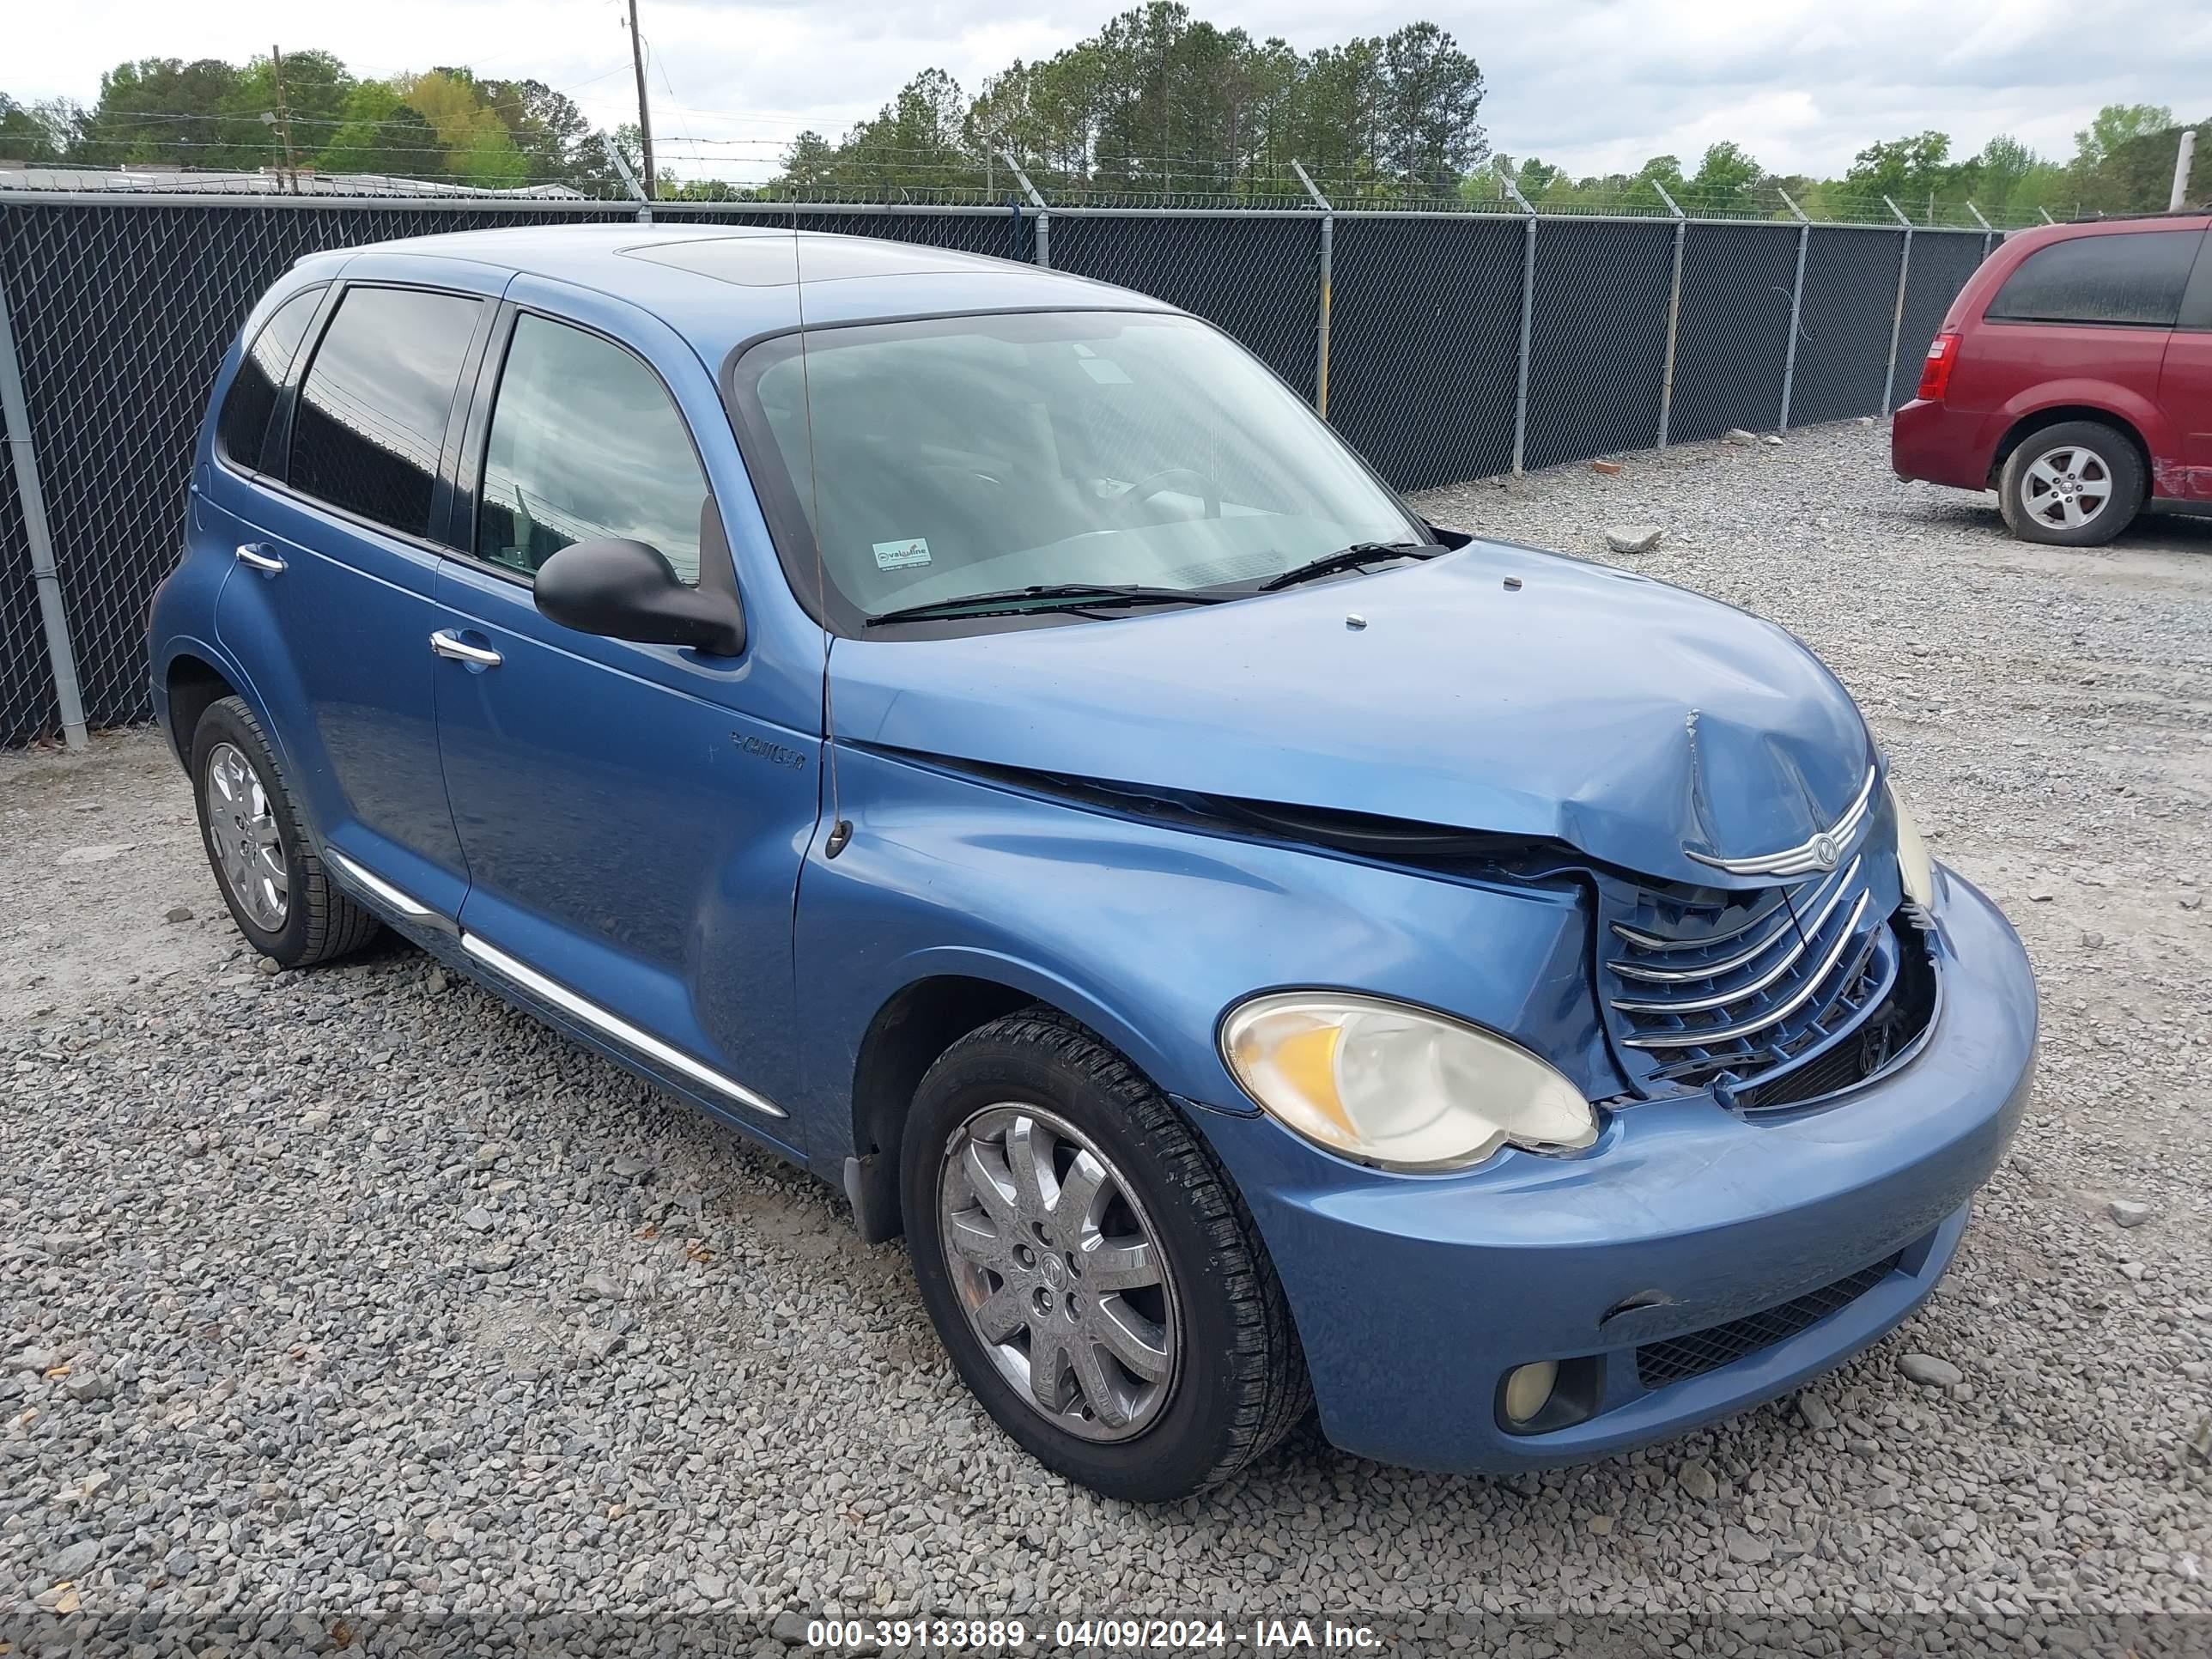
[(1591, 85)]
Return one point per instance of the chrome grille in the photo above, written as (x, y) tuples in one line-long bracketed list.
[(1704, 987)]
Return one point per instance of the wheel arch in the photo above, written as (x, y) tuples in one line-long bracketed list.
[(918, 1022), (194, 685), (2035, 420)]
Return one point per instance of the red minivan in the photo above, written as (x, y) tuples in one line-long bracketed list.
[(2073, 375)]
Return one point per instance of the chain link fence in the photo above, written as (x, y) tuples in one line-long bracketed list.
[(28, 707), (1732, 341), (1843, 321), (1597, 340), (1938, 268), (1444, 346), (1257, 275), (1424, 330)]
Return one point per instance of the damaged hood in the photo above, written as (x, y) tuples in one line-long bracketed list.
[(1634, 720)]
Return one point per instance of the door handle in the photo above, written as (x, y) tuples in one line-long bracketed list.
[(259, 558), (447, 643)]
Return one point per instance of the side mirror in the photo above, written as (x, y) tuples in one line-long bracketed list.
[(625, 590)]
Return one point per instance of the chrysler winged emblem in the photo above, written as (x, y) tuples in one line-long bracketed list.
[(1819, 854)]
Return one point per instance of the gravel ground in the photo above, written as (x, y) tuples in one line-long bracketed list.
[(351, 1309)]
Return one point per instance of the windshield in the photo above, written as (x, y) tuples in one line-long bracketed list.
[(972, 455)]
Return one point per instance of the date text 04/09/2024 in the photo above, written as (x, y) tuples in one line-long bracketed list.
[(1261, 1635)]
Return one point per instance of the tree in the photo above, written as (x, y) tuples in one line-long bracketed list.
[(2124, 160), (316, 87), (1158, 100), (912, 142), (2116, 125), (163, 109), (1536, 179), (1907, 169), (2013, 180), (2004, 165), (352, 146), (1726, 179), (1341, 100), (36, 134), (1431, 90), (491, 161), (401, 144), (553, 136), (809, 160)]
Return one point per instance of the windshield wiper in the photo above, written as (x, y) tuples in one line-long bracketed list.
[(1055, 596), (1350, 558)]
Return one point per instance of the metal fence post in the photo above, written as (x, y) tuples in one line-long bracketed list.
[(1989, 231), (1328, 258), (15, 411), (1043, 213), (644, 201), (1896, 317), (1674, 317), (1796, 311), (1527, 313)]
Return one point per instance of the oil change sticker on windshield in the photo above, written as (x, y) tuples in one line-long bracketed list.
[(1105, 371), (897, 555)]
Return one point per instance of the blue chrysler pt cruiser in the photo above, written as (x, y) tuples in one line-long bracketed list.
[(976, 731)]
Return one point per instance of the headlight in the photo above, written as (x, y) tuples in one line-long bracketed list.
[(1915, 870), (1396, 1086)]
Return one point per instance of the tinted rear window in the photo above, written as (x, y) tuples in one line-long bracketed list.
[(372, 413), (251, 398), (2134, 277)]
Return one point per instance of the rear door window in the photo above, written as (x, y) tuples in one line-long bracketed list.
[(371, 420), (2196, 303), (2133, 278), (251, 398)]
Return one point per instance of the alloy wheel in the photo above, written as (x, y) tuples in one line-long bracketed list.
[(1059, 1272), (249, 850), (2066, 488)]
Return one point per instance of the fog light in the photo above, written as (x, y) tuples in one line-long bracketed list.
[(1529, 1390)]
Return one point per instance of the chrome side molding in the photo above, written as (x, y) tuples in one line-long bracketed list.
[(377, 888), (620, 1031), (630, 1036)]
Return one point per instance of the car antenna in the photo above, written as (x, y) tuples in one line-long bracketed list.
[(841, 827)]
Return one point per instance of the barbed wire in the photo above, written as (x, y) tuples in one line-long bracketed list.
[(959, 173)]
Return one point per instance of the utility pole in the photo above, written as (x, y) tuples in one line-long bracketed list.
[(644, 115), (284, 119), (2181, 161)]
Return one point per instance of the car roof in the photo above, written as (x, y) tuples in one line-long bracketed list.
[(720, 285), (2189, 220)]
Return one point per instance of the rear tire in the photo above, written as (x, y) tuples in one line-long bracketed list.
[(278, 892), (2078, 483), (1218, 1375)]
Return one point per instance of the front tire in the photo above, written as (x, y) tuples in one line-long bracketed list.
[(2078, 483), (279, 893), (1096, 1280)]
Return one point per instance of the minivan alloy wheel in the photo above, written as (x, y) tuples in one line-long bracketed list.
[(1059, 1272), (242, 828), (2066, 486)]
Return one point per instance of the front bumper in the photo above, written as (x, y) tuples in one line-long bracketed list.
[(1414, 1296)]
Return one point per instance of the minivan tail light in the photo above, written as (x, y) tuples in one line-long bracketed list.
[(1935, 373)]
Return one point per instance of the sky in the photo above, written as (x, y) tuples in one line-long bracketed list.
[(1595, 86)]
